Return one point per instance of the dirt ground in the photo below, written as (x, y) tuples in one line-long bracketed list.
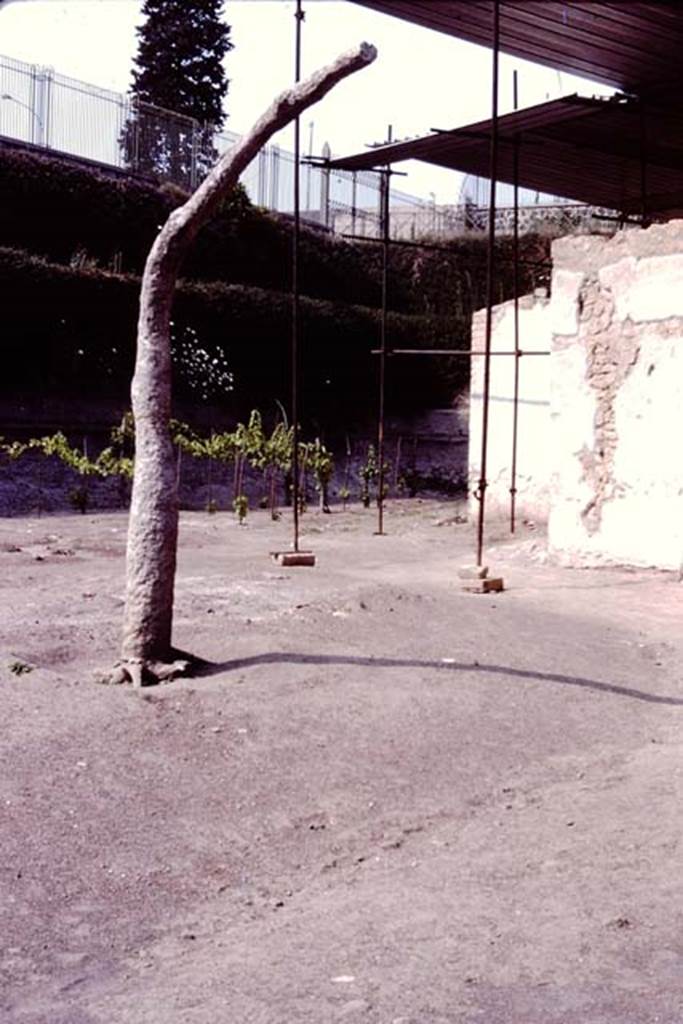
[(386, 800)]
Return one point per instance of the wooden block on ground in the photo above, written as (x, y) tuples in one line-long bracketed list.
[(291, 558), (486, 586)]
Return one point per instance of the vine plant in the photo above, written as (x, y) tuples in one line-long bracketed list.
[(247, 444)]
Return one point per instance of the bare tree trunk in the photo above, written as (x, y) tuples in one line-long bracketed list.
[(153, 523)]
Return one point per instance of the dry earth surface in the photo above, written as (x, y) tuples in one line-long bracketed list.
[(385, 801)]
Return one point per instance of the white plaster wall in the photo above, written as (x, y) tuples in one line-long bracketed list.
[(570, 430), (645, 289), (534, 462), (617, 398)]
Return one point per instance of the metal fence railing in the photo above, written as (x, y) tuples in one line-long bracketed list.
[(44, 108), (40, 107)]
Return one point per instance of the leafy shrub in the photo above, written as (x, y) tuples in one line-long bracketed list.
[(73, 213)]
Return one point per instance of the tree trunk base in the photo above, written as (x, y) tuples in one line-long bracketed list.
[(138, 672)]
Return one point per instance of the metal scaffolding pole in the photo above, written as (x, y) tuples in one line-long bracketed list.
[(481, 493), (296, 304), (645, 220), (458, 352), (515, 278), (385, 182), (354, 192)]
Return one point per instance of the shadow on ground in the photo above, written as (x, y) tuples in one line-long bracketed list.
[(296, 658)]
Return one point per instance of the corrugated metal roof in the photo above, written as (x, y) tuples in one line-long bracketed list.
[(601, 152), (629, 44)]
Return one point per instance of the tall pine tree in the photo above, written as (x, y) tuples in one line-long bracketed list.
[(179, 67)]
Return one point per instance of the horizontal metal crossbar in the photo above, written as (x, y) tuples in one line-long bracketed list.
[(456, 352)]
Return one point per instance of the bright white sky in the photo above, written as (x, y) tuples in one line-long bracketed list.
[(420, 80)]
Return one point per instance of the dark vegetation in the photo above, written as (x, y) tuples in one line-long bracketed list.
[(179, 68), (75, 240), (73, 331), (179, 62)]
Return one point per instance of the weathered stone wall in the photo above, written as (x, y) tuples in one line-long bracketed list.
[(601, 420), (534, 461), (617, 397)]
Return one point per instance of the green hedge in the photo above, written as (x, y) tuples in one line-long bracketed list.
[(74, 214), (72, 332), (69, 322), (65, 211)]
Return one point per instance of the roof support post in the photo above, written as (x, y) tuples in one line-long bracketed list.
[(385, 186), (515, 278), (299, 17), (645, 219), (490, 267)]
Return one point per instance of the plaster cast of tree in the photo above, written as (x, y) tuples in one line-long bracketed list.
[(153, 526)]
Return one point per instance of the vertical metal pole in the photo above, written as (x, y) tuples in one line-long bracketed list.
[(48, 90), (299, 17), (120, 152), (354, 191), (135, 107), (515, 257), (262, 177), (39, 107), (489, 280), (309, 169), (385, 190), (272, 178), (325, 185), (643, 167), (33, 101), (380, 207)]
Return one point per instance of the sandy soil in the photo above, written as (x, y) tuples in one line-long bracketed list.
[(386, 801)]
